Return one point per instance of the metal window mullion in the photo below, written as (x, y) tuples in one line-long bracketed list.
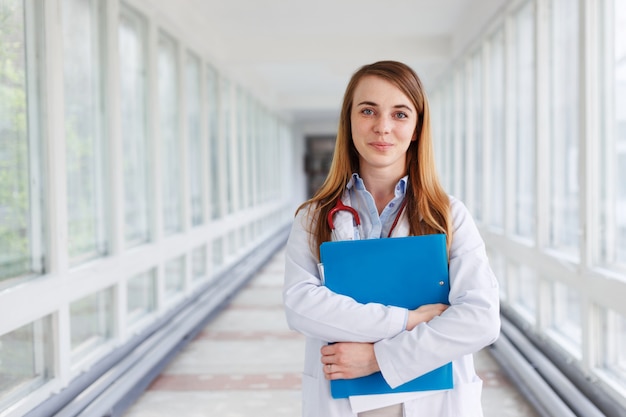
[(154, 133), (542, 126), (181, 58), (233, 145), (253, 130), (610, 186), (115, 164), (205, 184), (223, 105), (589, 162), (510, 133), (456, 137), (470, 136), (115, 161), (55, 178), (487, 138)]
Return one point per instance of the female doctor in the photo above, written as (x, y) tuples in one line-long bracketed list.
[(383, 167)]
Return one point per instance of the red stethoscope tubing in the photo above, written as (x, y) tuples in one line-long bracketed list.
[(339, 206)]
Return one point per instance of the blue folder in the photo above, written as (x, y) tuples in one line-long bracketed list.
[(404, 272)]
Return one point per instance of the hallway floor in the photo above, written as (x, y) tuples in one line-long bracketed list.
[(247, 362)]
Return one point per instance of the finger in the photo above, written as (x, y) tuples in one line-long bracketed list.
[(326, 359), (328, 349)]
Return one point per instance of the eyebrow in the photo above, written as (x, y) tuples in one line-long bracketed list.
[(397, 106)]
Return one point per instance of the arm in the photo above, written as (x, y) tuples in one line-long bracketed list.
[(317, 312), (349, 360), (470, 323)]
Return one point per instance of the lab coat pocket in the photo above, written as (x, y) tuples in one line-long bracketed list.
[(310, 396), (464, 399)]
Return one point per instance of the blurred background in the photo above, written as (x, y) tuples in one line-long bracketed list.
[(152, 154)]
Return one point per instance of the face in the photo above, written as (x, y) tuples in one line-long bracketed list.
[(383, 121)]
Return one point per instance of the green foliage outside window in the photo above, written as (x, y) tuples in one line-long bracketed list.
[(14, 170)]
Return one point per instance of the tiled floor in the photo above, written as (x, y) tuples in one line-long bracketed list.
[(247, 363)]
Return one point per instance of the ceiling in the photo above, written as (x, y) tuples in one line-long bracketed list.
[(298, 55)]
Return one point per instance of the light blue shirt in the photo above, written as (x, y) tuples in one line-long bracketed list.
[(375, 226)]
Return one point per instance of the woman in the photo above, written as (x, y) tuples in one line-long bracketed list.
[(383, 166)]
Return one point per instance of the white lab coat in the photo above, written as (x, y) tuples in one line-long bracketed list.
[(470, 323)]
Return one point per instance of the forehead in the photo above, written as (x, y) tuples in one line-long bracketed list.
[(380, 91)]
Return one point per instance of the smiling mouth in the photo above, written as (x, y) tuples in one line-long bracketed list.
[(381, 146)]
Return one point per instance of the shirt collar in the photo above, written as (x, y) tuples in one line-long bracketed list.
[(356, 182)]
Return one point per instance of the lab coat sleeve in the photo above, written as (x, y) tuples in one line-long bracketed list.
[(470, 323), (315, 311)]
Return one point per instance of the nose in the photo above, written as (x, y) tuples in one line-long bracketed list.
[(382, 125)]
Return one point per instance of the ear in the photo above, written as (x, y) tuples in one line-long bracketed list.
[(414, 138)]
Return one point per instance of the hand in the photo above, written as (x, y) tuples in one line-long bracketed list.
[(424, 314), (348, 360)]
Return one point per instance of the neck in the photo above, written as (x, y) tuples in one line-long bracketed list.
[(381, 186)]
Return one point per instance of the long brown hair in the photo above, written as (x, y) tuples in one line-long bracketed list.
[(427, 204)]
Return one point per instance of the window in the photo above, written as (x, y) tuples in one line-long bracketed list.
[(199, 263), (614, 342), (525, 123), (497, 130), (84, 128), (169, 129), (194, 135), (565, 125), (523, 286), (91, 323), (227, 138), (133, 106), (26, 360), (21, 230), (566, 318), (174, 276), (617, 195), (140, 296), (217, 252), (242, 157), (475, 120), (460, 139), (214, 142)]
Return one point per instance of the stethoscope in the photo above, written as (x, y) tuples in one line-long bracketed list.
[(340, 206)]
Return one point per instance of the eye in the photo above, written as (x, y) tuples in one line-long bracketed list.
[(401, 115), (367, 112)]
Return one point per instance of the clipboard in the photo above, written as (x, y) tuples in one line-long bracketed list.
[(404, 272)]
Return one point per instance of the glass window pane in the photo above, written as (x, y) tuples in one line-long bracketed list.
[(564, 64), (566, 317), (91, 323), (133, 103), (140, 296), (497, 111), (614, 338), (26, 360), (20, 174), (199, 263), (523, 286), (218, 252), (525, 123), (169, 131), (82, 37), (214, 144), (174, 276), (195, 139)]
